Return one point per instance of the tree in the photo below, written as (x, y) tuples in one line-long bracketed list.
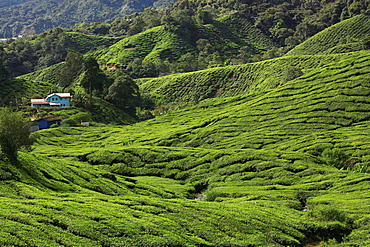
[(187, 63), (138, 69), (124, 93), (71, 68), (4, 73), (204, 17), (80, 98), (93, 78), (15, 135), (137, 26)]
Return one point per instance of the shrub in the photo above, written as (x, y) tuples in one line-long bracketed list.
[(144, 114), (291, 73), (334, 157), (81, 116), (69, 122), (213, 195), (366, 43), (14, 134), (333, 214)]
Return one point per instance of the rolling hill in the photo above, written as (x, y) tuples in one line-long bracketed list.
[(256, 160), (150, 45), (246, 155), (320, 50), (188, 36), (226, 35), (192, 87), (346, 36)]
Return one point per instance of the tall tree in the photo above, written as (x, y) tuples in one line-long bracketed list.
[(124, 93), (93, 79), (71, 69), (14, 135)]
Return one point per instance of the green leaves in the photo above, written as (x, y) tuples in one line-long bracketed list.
[(4, 73), (93, 79), (14, 134), (366, 43), (71, 69), (335, 157), (124, 93)]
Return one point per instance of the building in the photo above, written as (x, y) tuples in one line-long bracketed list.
[(53, 100), (35, 126), (45, 123)]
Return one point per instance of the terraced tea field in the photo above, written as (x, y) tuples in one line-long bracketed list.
[(244, 156), (238, 171), (190, 88), (339, 38)]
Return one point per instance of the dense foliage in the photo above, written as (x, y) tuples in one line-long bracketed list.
[(36, 52), (124, 93), (24, 17), (4, 73), (197, 35), (71, 69), (190, 35), (14, 135)]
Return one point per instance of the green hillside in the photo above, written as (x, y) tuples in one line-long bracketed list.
[(12, 91), (257, 161), (244, 29), (21, 91), (38, 52), (192, 35), (320, 50), (150, 45), (345, 36), (159, 48), (84, 43), (331, 98), (225, 35), (49, 74), (190, 88)]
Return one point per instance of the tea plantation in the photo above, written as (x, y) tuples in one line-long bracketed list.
[(246, 155), (248, 170), (339, 38)]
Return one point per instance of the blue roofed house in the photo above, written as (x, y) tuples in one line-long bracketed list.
[(53, 100)]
